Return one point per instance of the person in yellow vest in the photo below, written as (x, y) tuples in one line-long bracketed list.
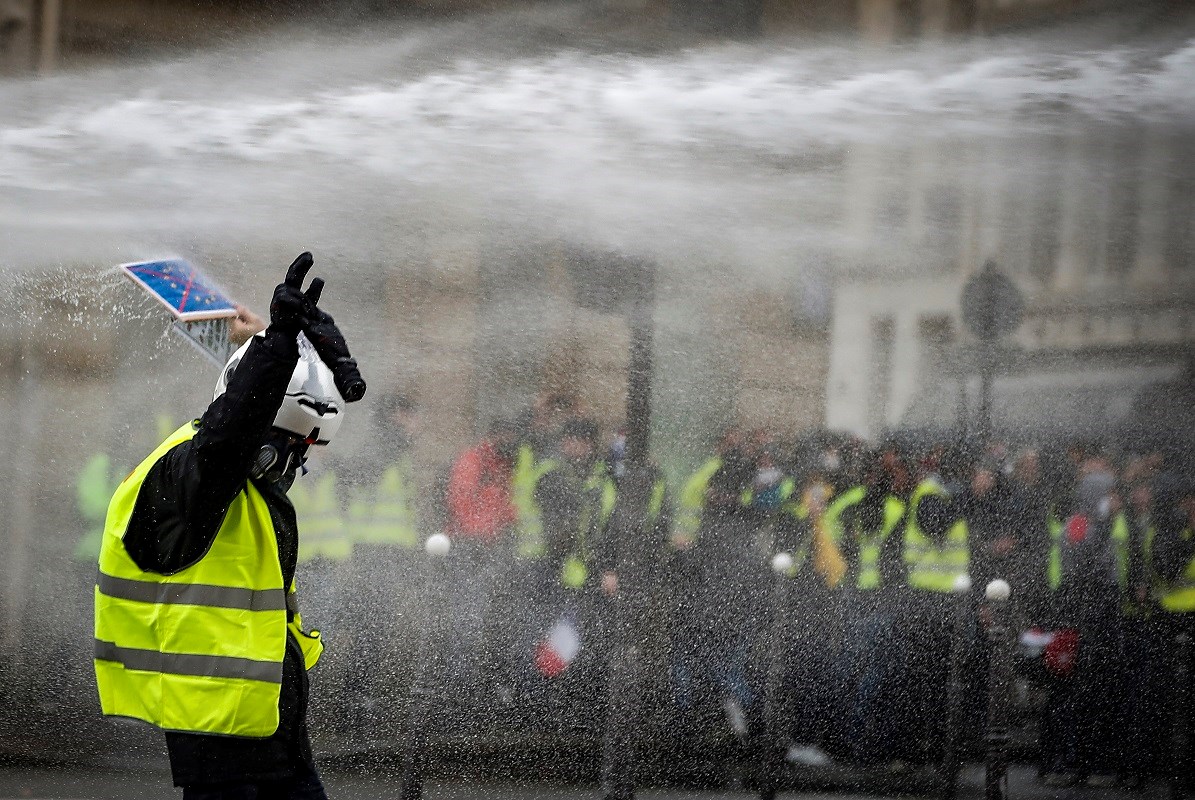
[(382, 524), (806, 613), (617, 515), (1085, 709), (1040, 529), (98, 479), (691, 501), (682, 583), (1143, 646), (1172, 555), (625, 559), (197, 628), (93, 489), (723, 598), (382, 513), (576, 502), (936, 554), (867, 520)]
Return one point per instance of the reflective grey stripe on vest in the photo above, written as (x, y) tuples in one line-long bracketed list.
[(189, 664), (193, 594)]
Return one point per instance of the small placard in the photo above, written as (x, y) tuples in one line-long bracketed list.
[(178, 285)]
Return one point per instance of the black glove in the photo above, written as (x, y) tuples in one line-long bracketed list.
[(291, 308), (329, 342)]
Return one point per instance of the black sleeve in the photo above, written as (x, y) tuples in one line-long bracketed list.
[(187, 492), (894, 572)]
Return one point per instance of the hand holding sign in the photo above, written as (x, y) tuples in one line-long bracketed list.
[(201, 312)]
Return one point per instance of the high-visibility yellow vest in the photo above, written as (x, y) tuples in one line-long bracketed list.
[(820, 548), (1055, 527), (1119, 535), (93, 490), (199, 650), (832, 518), (655, 505), (575, 569), (529, 531), (317, 511), (932, 568), (1120, 549), (383, 514), (1177, 596), (691, 503), (870, 542)]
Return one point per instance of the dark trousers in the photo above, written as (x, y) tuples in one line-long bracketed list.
[(919, 707), (871, 651), (1143, 672), (1084, 717), (306, 786)]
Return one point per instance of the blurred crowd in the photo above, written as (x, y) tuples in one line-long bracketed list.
[(804, 597)]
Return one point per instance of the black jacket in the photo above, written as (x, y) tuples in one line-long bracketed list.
[(178, 513)]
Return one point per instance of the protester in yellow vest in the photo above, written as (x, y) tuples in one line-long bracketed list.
[(868, 521), (316, 501), (93, 490), (576, 502), (806, 613), (1172, 547), (197, 629), (618, 515), (382, 506), (936, 546), (528, 471), (94, 486), (936, 556), (691, 502), (1172, 553)]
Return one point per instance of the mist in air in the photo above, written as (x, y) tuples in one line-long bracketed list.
[(466, 183)]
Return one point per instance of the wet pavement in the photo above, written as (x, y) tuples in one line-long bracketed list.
[(70, 784)]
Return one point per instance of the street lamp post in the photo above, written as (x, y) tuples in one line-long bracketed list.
[(415, 754), (1180, 739), (999, 690), (624, 687), (954, 687), (771, 752)]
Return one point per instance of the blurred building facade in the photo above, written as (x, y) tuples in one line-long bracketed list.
[(43, 34), (1094, 228)]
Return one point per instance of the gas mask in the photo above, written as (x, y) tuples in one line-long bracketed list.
[(279, 459)]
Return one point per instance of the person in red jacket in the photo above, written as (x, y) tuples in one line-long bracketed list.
[(480, 519), (480, 505)]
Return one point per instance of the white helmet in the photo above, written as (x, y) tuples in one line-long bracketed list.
[(312, 407)]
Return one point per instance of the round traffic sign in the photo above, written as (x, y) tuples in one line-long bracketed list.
[(992, 305)]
